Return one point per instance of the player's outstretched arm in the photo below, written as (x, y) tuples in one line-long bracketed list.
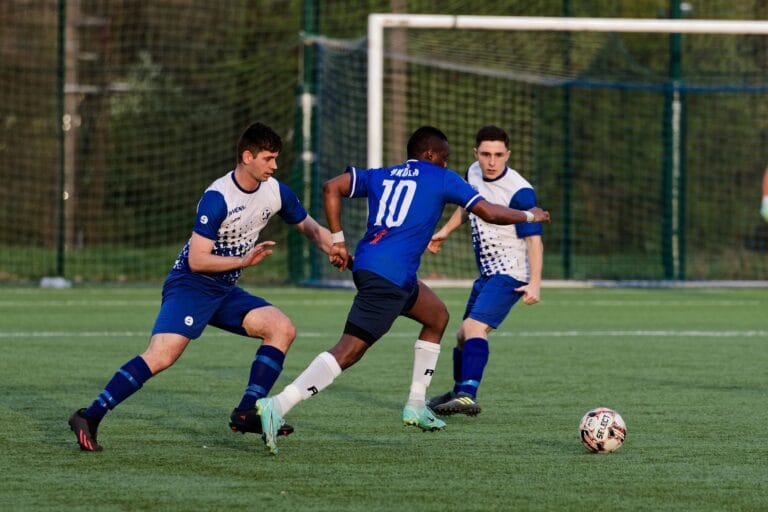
[(497, 214), (256, 254), (334, 190), (201, 259), (315, 233), (532, 290), (458, 218)]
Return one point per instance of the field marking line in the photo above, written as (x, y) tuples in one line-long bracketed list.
[(686, 333)]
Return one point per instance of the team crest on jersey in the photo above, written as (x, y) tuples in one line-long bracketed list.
[(266, 213)]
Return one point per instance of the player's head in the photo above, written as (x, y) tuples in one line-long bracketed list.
[(256, 138), (492, 150), (430, 144)]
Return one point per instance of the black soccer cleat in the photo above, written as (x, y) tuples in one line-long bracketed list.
[(250, 421), (440, 399), (85, 430), (462, 403)]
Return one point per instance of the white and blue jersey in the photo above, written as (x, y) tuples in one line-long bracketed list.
[(233, 218), (502, 249), (405, 203)]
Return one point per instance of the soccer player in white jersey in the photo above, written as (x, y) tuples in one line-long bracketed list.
[(509, 259), (405, 202), (201, 287)]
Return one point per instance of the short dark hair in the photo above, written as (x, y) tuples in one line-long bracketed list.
[(258, 137), (490, 133), (424, 139)]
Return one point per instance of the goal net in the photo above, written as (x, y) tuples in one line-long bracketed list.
[(646, 139)]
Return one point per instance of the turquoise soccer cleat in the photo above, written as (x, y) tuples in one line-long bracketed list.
[(422, 417), (270, 423)]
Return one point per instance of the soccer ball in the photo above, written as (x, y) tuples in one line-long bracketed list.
[(602, 430)]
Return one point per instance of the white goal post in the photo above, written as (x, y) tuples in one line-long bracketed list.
[(378, 22)]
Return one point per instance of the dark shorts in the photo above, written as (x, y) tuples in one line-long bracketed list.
[(491, 299), (377, 305), (192, 301)]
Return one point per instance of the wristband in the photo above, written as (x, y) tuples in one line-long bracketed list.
[(337, 237), (528, 216)]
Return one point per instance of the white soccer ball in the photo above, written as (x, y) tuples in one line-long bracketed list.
[(602, 430)]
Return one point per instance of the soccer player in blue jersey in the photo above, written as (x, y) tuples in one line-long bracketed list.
[(201, 287), (405, 202), (509, 258)]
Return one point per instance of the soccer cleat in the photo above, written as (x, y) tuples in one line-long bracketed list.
[(462, 403), (85, 431), (250, 421), (440, 399), (270, 423), (423, 418)]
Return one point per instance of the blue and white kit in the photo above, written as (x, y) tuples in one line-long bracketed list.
[(233, 218)]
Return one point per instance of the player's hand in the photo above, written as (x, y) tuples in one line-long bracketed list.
[(764, 208), (256, 254), (531, 293), (436, 242), (539, 215), (340, 257)]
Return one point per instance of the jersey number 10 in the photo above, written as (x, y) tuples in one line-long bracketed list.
[(395, 202)]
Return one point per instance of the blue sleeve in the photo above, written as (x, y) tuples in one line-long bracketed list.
[(211, 212), (359, 182), (524, 199), (291, 210), (458, 191)]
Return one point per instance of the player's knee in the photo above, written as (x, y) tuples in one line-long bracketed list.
[(158, 361), (439, 318), (281, 331)]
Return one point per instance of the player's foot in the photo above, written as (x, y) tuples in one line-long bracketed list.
[(250, 421), (462, 403), (270, 422), (85, 431), (440, 399), (422, 417)]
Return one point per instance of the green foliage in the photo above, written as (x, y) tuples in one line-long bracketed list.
[(160, 91)]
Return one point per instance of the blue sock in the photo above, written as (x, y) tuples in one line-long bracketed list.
[(265, 370), (474, 357), (456, 369), (126, 381)]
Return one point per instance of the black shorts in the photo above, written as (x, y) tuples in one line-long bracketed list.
[(377, 305)]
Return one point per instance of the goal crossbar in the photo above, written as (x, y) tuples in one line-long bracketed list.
[(378, 22)]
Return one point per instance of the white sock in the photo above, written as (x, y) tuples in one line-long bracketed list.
[(320, 373), (425, 356)]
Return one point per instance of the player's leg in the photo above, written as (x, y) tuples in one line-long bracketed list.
[(162, 352), (427, 309), (449, 395), (249, 315), (485, 312), (185, 311), (376, 306)]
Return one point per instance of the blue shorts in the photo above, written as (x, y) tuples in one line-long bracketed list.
[(491, 299), (192, 301), (377, 305)]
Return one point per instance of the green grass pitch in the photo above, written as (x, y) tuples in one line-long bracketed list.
[(685, 368)]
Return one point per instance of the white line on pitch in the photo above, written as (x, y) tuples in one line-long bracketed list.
[(506, 334)]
